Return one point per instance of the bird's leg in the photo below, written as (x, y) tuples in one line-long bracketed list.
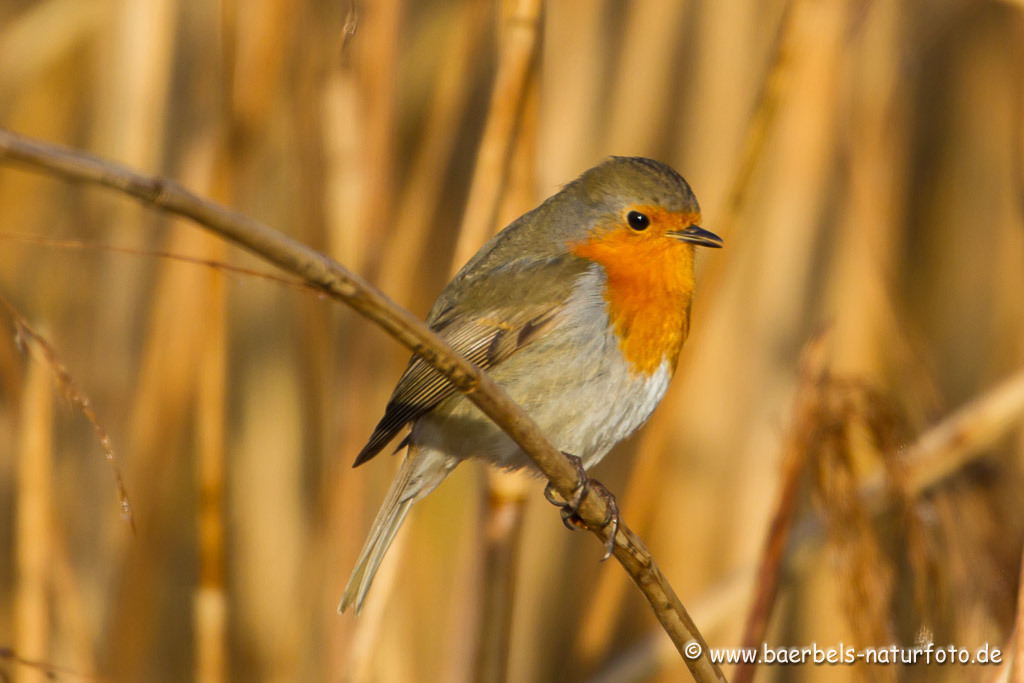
[(570, 508)]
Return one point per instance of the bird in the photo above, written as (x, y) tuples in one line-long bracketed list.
[(578, 309)]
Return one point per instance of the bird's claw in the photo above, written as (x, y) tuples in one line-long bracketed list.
[(570, 508)]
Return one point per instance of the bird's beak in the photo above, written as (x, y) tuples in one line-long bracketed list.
[(697, 235)]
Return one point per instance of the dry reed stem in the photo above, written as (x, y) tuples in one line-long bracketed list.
[(42, 34), (514, 195), (763, 118), (349, 288), (71, 620), (515, 60), (503, 525), (33, 511), (813, 369), (377, 46), (421, 198), (1016, 644), (962, 437), (210, 600), (366, 633), (494, 196), (162, 396), (596, 630), (965, 434)]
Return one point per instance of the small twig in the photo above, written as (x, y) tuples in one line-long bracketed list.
[(334, 280), (35, 342)]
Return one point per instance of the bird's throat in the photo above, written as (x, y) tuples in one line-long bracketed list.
[(648, 291)]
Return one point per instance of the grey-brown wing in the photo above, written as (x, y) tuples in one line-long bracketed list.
[(484, 331), (485, 342)]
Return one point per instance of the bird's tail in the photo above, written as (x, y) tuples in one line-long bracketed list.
[(422, 471)]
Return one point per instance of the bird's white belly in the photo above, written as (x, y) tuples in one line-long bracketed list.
[(574, 382)]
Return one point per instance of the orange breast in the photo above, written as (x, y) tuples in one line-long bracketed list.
[(648, 292)]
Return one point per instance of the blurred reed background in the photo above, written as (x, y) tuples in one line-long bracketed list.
[(862, 160)]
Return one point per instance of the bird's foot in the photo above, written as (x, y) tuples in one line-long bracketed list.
[(570, 508)]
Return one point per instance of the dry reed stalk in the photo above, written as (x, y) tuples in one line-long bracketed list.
[(360, 120), (787, 46), (365, 638), (1016, 640), (502, 533), (162, 399), (33, 520), (964, 435), (210, 606), (420, 200), (72, 619), (268, 538), (503, 525), (269, 567), (598, 625), (641, 89), (803, 430), (602, 611), (343, 184), (407, 245), (868, 238), (462, 570), (651, 656), (507, 491), (377, 59), (255, 36), (507, 148), (517, 55), (339, 283), (936, 454), (575, 65), (135, 50), (42, 35)]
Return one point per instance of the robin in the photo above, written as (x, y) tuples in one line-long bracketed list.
[(578, 309)]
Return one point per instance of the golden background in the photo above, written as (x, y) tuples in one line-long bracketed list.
[(862, 161)]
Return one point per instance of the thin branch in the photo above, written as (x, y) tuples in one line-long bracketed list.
[(334, 280)]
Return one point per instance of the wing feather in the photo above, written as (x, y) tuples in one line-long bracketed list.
[(483, 333)]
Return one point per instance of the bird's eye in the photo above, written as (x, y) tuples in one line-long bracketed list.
[(637, 220)]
